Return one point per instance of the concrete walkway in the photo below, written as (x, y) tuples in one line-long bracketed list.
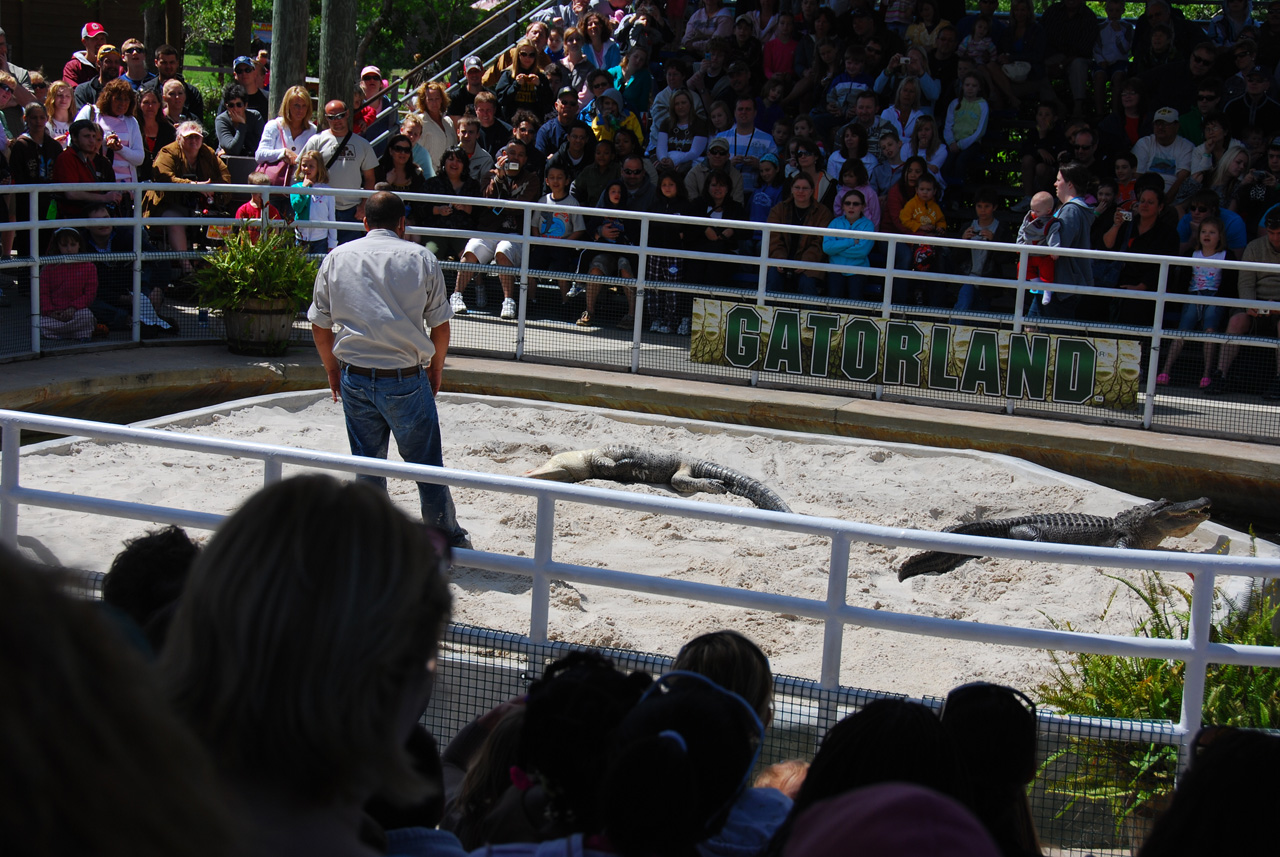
[(130, 384)]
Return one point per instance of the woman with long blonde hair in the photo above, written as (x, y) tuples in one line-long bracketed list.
[(284, 136), (58, 105)]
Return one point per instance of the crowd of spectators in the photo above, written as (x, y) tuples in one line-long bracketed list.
[(262, 694), (896, 102)]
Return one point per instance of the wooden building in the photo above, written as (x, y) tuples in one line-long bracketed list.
[(45, 33)]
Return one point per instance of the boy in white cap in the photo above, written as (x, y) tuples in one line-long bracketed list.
[(1164, 152)]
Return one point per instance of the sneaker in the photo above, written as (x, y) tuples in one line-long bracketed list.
[(458, 304), (661, 328), (1163, 379), (655, 326), (1022, 205), (1273, 392), (1217, 384), (585, 320), (574, 291), (1205, 382), (683, 329), (508, 309)]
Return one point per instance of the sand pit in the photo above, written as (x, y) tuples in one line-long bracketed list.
[(887, 484)]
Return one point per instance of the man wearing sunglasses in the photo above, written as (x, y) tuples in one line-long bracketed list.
[(1204, 204), (108, 70), (24, 94), (351, 163), (247, 75), (1175, 85), (135, 64)]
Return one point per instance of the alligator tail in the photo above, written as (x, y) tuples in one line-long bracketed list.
[(741, 484)]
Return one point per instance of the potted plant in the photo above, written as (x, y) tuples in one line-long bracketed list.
[(259, 287)]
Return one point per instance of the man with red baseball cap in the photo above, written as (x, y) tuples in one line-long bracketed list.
[(83, 65)]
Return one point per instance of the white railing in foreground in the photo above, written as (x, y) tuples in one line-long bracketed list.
[(834, 611)]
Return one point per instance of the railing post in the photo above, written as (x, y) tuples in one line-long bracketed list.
[(1019, 303), (833, 625), (1153, 359), (762, 284), (1193, 679), (523, 300), (271, 470), (637, 317), (33, 211), (11, 439), (135, 221), (540, 590)]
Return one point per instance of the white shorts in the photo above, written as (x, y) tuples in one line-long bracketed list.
[(486, 249)]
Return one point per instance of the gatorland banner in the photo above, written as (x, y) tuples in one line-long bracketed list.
[(1041, 367)]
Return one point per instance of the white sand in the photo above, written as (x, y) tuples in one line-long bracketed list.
[(887, 484)]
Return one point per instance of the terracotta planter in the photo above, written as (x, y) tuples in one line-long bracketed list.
[(260, 327)]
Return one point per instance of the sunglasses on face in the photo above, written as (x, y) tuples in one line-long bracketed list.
[(4, 87), (333, 117), (231, 104), (403, 150), (39, 86), (633, 172), (134, 51), (1196, 58), (804, 154), (527, 54)]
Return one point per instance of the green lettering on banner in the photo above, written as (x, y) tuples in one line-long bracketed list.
[(1073, 372), (858, 358), (1028, 366), (742, 336), (939, 352), (982, 364), (903, 342), (785, 345), (822, 324)]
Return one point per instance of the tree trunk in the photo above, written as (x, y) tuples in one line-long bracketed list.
[(152, 29), (290, 21), (338, 52), (242, 32), (173, 26)]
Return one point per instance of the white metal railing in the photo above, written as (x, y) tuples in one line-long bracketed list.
[(833, 611), (1019, 320)]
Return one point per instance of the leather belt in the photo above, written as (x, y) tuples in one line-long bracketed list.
[(409, 372)]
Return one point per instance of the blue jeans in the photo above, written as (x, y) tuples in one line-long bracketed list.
[(779, 280), (377, 408), (347, 215)]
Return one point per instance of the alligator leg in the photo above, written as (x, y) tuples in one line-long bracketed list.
[(685, 482)]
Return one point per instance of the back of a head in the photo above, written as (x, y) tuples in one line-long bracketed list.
[(147, 577), (384, 210), (569, 724), (889, 740), (303, 639), (94, 761), (733, 662), (889, 820), (994, 731), (682, 757), (1219, 802)]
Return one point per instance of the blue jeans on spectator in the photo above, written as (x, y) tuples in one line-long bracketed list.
[(347, 215), (375, 409), (781, 281), (320, 246)]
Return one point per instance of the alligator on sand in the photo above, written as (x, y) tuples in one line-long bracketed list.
[(1139, 528), (622, 463)]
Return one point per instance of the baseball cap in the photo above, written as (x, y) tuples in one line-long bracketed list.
[(1258, 70), (191, 132), (248, 61), (1272, 220), (1165, 114), (471, 62), (744, 18), (718, 143), (737, 66), (88, 31), (370, 69), (108, 49), (567, 92)]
